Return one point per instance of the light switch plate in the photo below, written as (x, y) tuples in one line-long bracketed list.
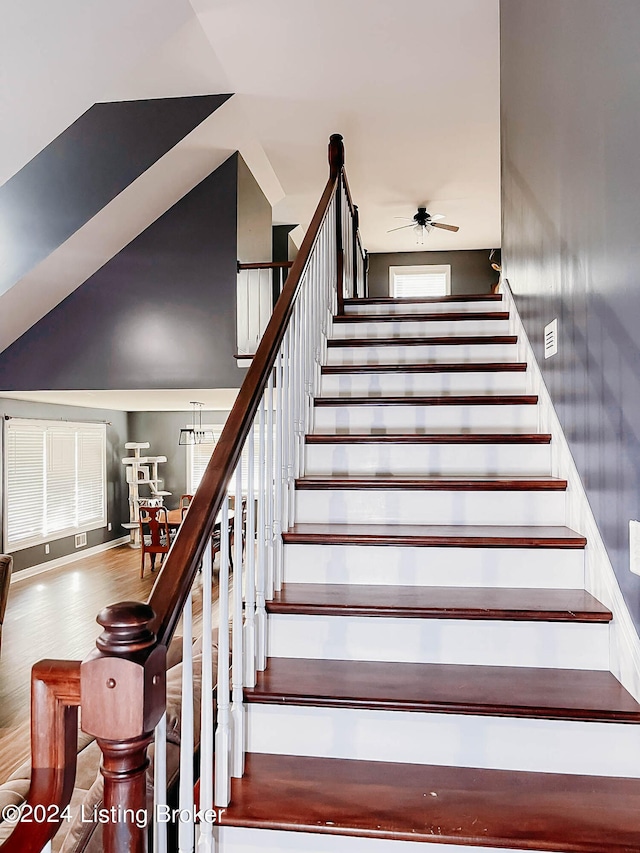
[(634, 546)]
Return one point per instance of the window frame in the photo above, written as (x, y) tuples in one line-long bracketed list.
[(419, 269), (42, 428)]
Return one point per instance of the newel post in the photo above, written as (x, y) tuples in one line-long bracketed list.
[(123, 696), (336, 165), (356, 265)]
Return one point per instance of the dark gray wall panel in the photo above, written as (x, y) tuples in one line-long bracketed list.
[(117, 492), (470, 270), (571, 208), (160, 314), (83, 169)]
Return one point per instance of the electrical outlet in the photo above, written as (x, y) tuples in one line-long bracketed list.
[(46, 549), (109, 526), (634, 546)]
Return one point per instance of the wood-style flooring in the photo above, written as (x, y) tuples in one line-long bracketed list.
[(53, 615)]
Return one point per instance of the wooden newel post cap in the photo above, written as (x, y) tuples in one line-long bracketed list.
[(336, 154), (123, 681)]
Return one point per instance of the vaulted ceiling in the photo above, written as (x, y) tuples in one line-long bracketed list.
[(413, 86)]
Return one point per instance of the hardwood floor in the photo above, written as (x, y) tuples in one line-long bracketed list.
[(53, 615)]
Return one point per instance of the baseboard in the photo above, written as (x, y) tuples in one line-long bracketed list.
[(600, 579), (70, 558)]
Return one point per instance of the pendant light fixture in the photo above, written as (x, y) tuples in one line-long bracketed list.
[(195, 434)]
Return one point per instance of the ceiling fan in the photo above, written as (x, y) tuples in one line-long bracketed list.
[(423, 221)]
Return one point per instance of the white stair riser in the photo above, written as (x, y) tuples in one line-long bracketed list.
[(427, 307), (377, 506), (348, 418), (465, 641), (524, 568), (419, 354), (453, 740), (408, 328), (422, 384), (425, 459), (233, 839)]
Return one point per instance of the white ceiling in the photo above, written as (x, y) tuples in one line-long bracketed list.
[(413, 86), (170, 400)]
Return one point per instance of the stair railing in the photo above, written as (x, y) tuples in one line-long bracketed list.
[(121, 686), (259, 288)]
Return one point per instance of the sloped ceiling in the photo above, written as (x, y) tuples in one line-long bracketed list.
[(413, 86)]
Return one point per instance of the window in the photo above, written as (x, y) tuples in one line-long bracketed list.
[(198, 456), (55, 480), (416, 281)]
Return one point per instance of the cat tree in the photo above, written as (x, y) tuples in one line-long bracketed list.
[(141, 471)]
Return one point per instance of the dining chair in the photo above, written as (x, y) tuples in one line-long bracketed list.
[(154, 534), (183, 506)]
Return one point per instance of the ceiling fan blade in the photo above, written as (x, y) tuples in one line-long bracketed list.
[(437, 216), (400, 228), (446, 227), (406, 218)]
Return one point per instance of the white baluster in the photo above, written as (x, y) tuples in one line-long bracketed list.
[(249, 643), (270, 493), (237, 710), (277, 515), (263, 498), (206, 843), (284, 435), (186, 833), (160, 786), (223, 730)]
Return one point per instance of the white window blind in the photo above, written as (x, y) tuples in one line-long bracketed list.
[(55, 480), (420, 281), (198, 456)]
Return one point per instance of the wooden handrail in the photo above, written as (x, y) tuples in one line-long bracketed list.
[(55, 697), (172, 586), (265, 265)]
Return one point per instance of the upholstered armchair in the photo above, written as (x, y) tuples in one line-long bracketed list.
[(6, 564)]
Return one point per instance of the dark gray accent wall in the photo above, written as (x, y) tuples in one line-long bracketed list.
[(117, 492), (162, 431), (470, 270), (83, 169), (160, 314), (570, 84)]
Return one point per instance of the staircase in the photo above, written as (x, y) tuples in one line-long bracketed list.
[(437, 673)]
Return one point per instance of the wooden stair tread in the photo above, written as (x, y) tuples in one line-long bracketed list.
[(421, 318), (558, 694), (443, 535), (412, 300), (433, 340), (435, 400), (438, 602), (410, 802), (431, 367), (455, 484), (430, 438)]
